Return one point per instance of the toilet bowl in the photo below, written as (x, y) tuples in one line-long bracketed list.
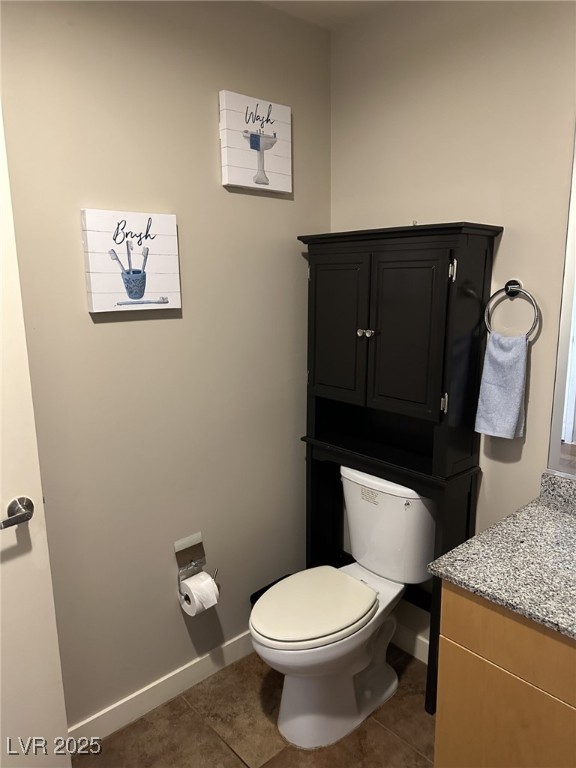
[(332, 651), (327, 629)]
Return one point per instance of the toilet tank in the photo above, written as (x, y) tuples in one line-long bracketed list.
[(391, 527)]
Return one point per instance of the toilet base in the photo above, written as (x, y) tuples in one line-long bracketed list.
[(318, 711)]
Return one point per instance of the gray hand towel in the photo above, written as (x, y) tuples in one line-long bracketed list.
[(501, 403)]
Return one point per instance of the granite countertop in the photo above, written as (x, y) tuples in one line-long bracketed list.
[(527, 561)]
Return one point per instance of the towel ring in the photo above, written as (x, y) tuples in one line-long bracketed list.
[(512, 289)]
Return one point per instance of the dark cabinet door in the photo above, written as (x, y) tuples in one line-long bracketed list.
[(408, 304), (338, 308)]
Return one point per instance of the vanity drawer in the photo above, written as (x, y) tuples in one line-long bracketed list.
[(488, 718), (538, 655)]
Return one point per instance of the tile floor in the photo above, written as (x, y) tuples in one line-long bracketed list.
[(229, 721)]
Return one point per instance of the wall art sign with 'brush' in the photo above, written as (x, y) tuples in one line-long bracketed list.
[(131, 260), (256, 143)]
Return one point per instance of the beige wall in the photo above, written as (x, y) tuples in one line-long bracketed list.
[(466, 112), (154, 427)]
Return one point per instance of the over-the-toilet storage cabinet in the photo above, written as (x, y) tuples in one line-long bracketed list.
[(395, 344)]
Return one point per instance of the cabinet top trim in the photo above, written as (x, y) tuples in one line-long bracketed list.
[(462, 227)]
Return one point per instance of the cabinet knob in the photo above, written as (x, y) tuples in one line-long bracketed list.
[(360, 332), (368, 333)]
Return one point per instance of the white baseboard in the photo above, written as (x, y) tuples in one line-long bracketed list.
[(158, 692), (412, 631), (414, 644), (411, 636)]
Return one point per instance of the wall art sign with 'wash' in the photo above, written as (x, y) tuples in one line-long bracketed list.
[(131, 260), (255, 142)]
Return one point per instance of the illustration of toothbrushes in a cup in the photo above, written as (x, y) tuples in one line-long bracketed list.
[(135, 279)]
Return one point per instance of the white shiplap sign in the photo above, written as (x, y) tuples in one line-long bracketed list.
[(131, 260), (255, 143)]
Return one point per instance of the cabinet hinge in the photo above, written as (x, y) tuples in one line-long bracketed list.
[(444, 403), (452, 269)]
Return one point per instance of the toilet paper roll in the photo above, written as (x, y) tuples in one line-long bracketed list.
[(198, 593)]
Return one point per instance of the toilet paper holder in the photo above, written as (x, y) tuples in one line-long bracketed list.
[(190, 557), (191, 569)]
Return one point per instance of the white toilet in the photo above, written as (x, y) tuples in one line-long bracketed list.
[(327, 629)]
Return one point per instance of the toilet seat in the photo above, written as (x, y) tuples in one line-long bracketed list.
[(312, 608)]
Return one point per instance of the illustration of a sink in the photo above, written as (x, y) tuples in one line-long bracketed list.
[(260, 142)]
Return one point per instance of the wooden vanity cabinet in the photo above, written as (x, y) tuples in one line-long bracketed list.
[(395, 346), (506, 689)]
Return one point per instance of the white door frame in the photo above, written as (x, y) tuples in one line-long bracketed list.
[(563, 411)]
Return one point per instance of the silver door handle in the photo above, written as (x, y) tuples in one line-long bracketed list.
[(20, 510)]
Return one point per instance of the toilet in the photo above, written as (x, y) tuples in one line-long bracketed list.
[(327, 629)]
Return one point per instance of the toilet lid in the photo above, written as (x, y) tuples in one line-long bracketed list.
[(313, 604)]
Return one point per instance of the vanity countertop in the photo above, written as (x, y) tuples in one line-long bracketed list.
[(527, 561)]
